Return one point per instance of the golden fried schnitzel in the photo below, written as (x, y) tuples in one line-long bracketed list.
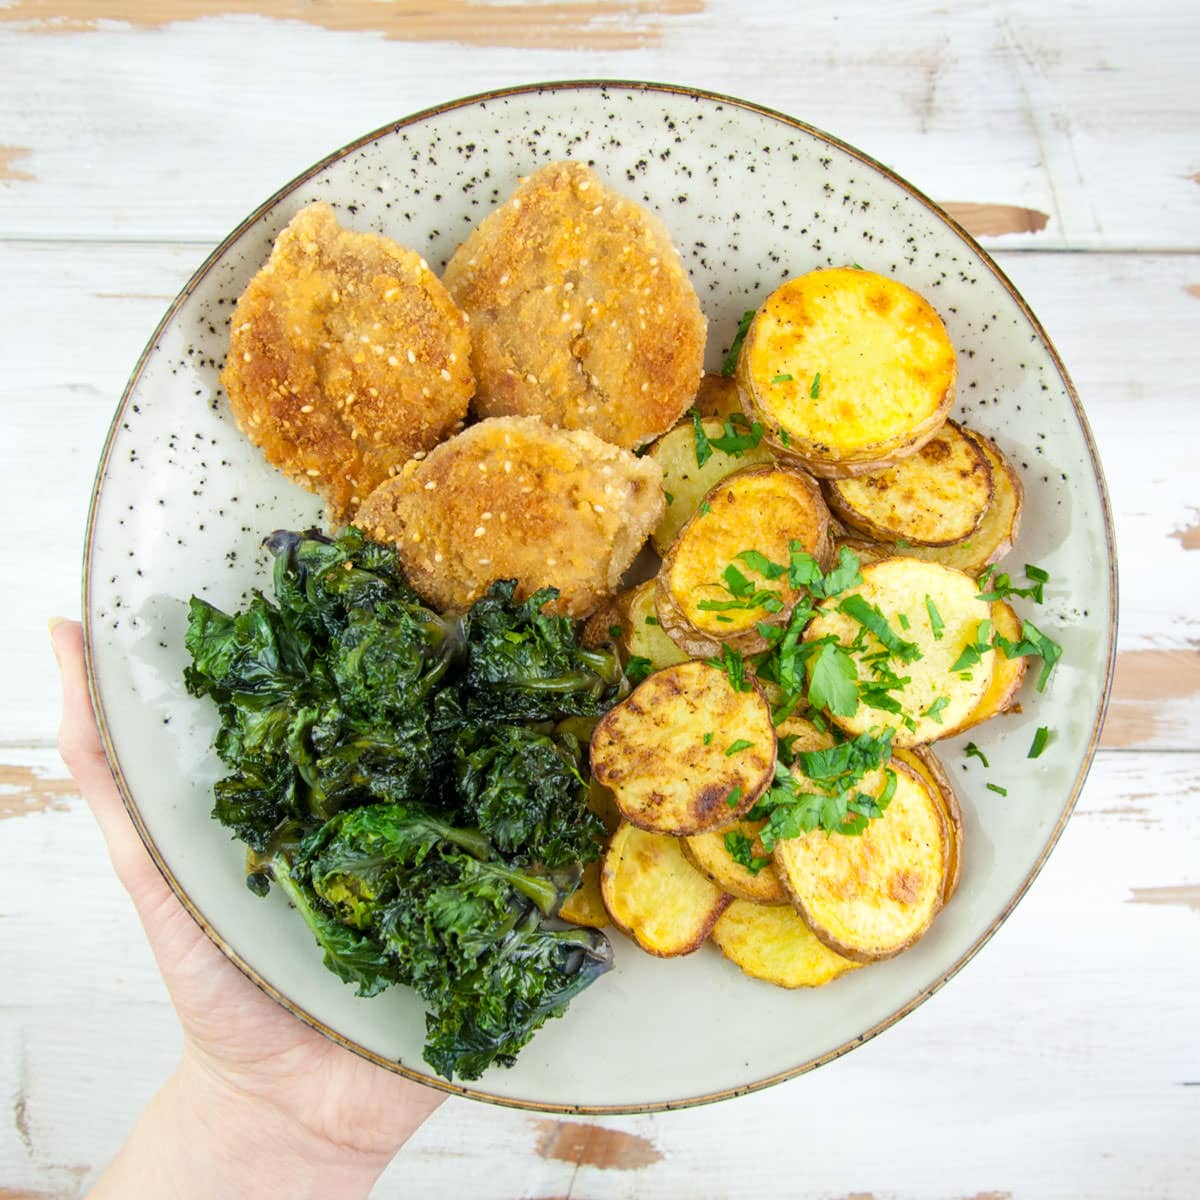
[(511, 498), (346, 357), (581, 311)]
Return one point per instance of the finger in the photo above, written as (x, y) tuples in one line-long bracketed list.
[(83, 752)]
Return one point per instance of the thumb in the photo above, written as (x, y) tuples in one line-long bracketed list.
[(83, 752)]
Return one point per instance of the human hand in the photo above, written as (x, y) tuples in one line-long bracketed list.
[(253, 1081)]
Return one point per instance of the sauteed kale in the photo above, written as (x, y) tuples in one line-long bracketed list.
[(415, 784)]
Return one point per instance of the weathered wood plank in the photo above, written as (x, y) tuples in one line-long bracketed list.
[(1071, 126), (1042, 1042), (57, 397)]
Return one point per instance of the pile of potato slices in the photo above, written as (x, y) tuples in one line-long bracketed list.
[(821, 615)]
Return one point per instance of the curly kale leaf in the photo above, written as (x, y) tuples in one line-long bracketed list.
[(526, 791), (469, 933), (524, 664)]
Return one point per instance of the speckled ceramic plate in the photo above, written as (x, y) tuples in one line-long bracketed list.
[(750, 197)]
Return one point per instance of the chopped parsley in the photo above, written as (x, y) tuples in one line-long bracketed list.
[(904, 623), (732, 663), (833, 680), (1039, 742), (744, 595), (735, 348), (973, 652), (814, 389), (615, 632), (734, 798), (936, 624), (703, 449), (1033, 643), (869, 617), (782, 377), (934, 711), (1002, 586), (741, 850), (759, 562), (704, 508), (732, 442), (995, 787), (652, 621), (708, 737), (669, 498), (737, 747), (973, 751)]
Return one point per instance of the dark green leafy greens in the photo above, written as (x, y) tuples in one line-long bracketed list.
[(415, 784)]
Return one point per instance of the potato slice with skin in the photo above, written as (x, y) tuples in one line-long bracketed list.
[(848, 371), (764, 509), (585, 905), (923, 762), (990, 542), (937, 497), (665, 750), (655, 896), (717, 396), (604, 804), (632, 613), (871, 896), (775, 945), (707, 852), (1006, 675), (907, 586), (685, 481)]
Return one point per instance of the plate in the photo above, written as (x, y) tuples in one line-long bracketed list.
[(751, 197)]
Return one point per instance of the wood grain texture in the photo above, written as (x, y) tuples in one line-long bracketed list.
[(1043, 1041), (996, 220), (596, 25)]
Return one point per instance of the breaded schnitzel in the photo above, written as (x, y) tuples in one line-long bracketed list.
[(346, 357), (581, 311), (511, 498)]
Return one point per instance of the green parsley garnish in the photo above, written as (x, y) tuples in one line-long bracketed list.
[(708, 737), (1039, 742), (737, 747), (973, 751), (703, 449), (934, 711), (995, 787), (732, 663), (669, 498), (759, 562), (615, 632), (732, 442), (744, 595), (832, 680), (974, 651), (904, 624), (704, 508), (652, 621), (735, 348), (815, 387), (869, 616), (782, 378), (1033, 643), (741, 850), (936, 624), (734, 798), (783, 437), (1003, 587)]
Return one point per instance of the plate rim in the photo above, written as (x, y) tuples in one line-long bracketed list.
[(211, 260)]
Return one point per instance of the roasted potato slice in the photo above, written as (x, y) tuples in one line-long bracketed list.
[(631, 621), (997, 531), (936, 497), (774, 944), (604, 804), (655, 896), (848, 371), (871, 896), (685, 481), (944, 615), (686, 752), (1007, 673), (717, 396), (708, 853), (760, 510), (925, 763), (585, 905)]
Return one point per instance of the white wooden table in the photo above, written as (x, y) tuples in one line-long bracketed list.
[(1065, 1061)]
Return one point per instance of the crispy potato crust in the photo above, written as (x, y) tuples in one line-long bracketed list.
[(902, 585), (924, 763), (346, 357), (655, 896), (774, 944), (886, 370), (687, 483), (581, 311), (1007, 674), (585, 905), (718, 396), (651, 750), (870, 897), (937, 497), (762, 508), (512, 498)]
